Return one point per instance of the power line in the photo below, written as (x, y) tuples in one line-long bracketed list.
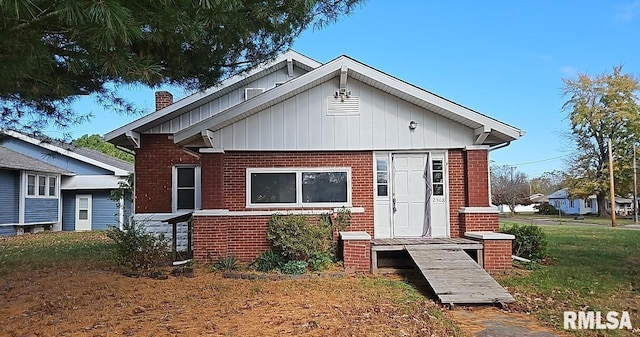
[(538, 161)]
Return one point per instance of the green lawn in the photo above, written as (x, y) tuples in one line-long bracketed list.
[(53, 249), (591, 268)]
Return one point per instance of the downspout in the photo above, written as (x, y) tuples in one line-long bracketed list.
[(492, 148)]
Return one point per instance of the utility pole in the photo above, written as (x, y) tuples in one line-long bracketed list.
[(635, 187), (611, 190)]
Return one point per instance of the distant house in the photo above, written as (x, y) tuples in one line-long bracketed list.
[(624, 206), (536, 199), (560, 200), (54, 185)]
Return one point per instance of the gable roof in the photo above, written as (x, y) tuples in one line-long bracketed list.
[(17, 161), (89, 156), (190, 102), (496, 132)]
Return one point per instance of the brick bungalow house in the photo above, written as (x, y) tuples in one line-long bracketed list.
[(298, 136)]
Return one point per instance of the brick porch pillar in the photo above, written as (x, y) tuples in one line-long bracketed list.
[(496, 255), (356, 252)]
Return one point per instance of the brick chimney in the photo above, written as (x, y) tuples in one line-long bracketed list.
[(163, 99)]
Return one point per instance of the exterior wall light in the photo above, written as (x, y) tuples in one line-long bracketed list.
[(413, 125)]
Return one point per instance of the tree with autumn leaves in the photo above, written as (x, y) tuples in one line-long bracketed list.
[(600, 108)]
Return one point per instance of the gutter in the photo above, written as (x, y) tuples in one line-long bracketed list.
[(500, 146)]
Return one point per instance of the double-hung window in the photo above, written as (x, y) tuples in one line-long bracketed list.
[(298, 187), (42, 185), (186, 187)]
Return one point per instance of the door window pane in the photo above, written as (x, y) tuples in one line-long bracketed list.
[(324, 187), (83, 214), (271, 188), (83, 203)]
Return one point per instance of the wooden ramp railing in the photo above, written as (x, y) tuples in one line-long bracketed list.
[(456, 278)]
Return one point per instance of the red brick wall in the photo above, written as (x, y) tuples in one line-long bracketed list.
[(357, 256), (457, 191), (216, 236), (497, 256), (480, 222), (212, 181), (245, 236), (477, 178), (154, 166)]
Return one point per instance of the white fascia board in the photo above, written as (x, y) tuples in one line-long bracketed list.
[(195, 98), (65, 152), (90, 182), (333, 68)]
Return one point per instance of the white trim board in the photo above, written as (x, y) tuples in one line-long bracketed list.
[(71, 154)]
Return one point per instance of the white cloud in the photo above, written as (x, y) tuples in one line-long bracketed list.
[(629, 11)]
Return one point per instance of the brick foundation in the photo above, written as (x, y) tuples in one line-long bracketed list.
[(221, 236)]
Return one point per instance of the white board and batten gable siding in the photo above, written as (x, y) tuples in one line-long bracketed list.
[(371, 120), (213, 107)]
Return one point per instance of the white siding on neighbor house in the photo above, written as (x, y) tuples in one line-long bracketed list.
[(302, 123), (223, 102)]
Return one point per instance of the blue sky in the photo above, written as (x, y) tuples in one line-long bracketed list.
[(505, 59)]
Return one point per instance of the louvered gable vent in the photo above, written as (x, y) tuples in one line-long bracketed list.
[(343, 106), (249, 93)]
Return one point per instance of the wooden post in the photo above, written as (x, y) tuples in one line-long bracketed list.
[(611, 189)]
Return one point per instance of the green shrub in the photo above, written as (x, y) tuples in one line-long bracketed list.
[(296, 238), (530, 241), (228, 263), (294, 267), (320, 261), (269, 261), (138, 250), (546, 208)]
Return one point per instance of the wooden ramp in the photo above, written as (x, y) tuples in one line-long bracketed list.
[(456, 278)]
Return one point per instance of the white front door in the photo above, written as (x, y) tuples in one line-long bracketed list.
[(409, 195), (83, 212)]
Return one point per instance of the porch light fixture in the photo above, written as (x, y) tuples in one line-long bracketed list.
[(413, 125)]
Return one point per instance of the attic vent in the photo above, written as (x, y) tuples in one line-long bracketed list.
[(250, 93), (343, 106)]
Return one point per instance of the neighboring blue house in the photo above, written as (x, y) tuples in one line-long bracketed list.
[(30, 193), (58, 186), (560, 200)]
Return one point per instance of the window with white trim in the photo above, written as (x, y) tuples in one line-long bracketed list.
[(298, 187), (186, 187), (39, 185)]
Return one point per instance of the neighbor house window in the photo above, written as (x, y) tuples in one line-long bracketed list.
[(31, 185), (42, 185), (313, 187), (186, 187)]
